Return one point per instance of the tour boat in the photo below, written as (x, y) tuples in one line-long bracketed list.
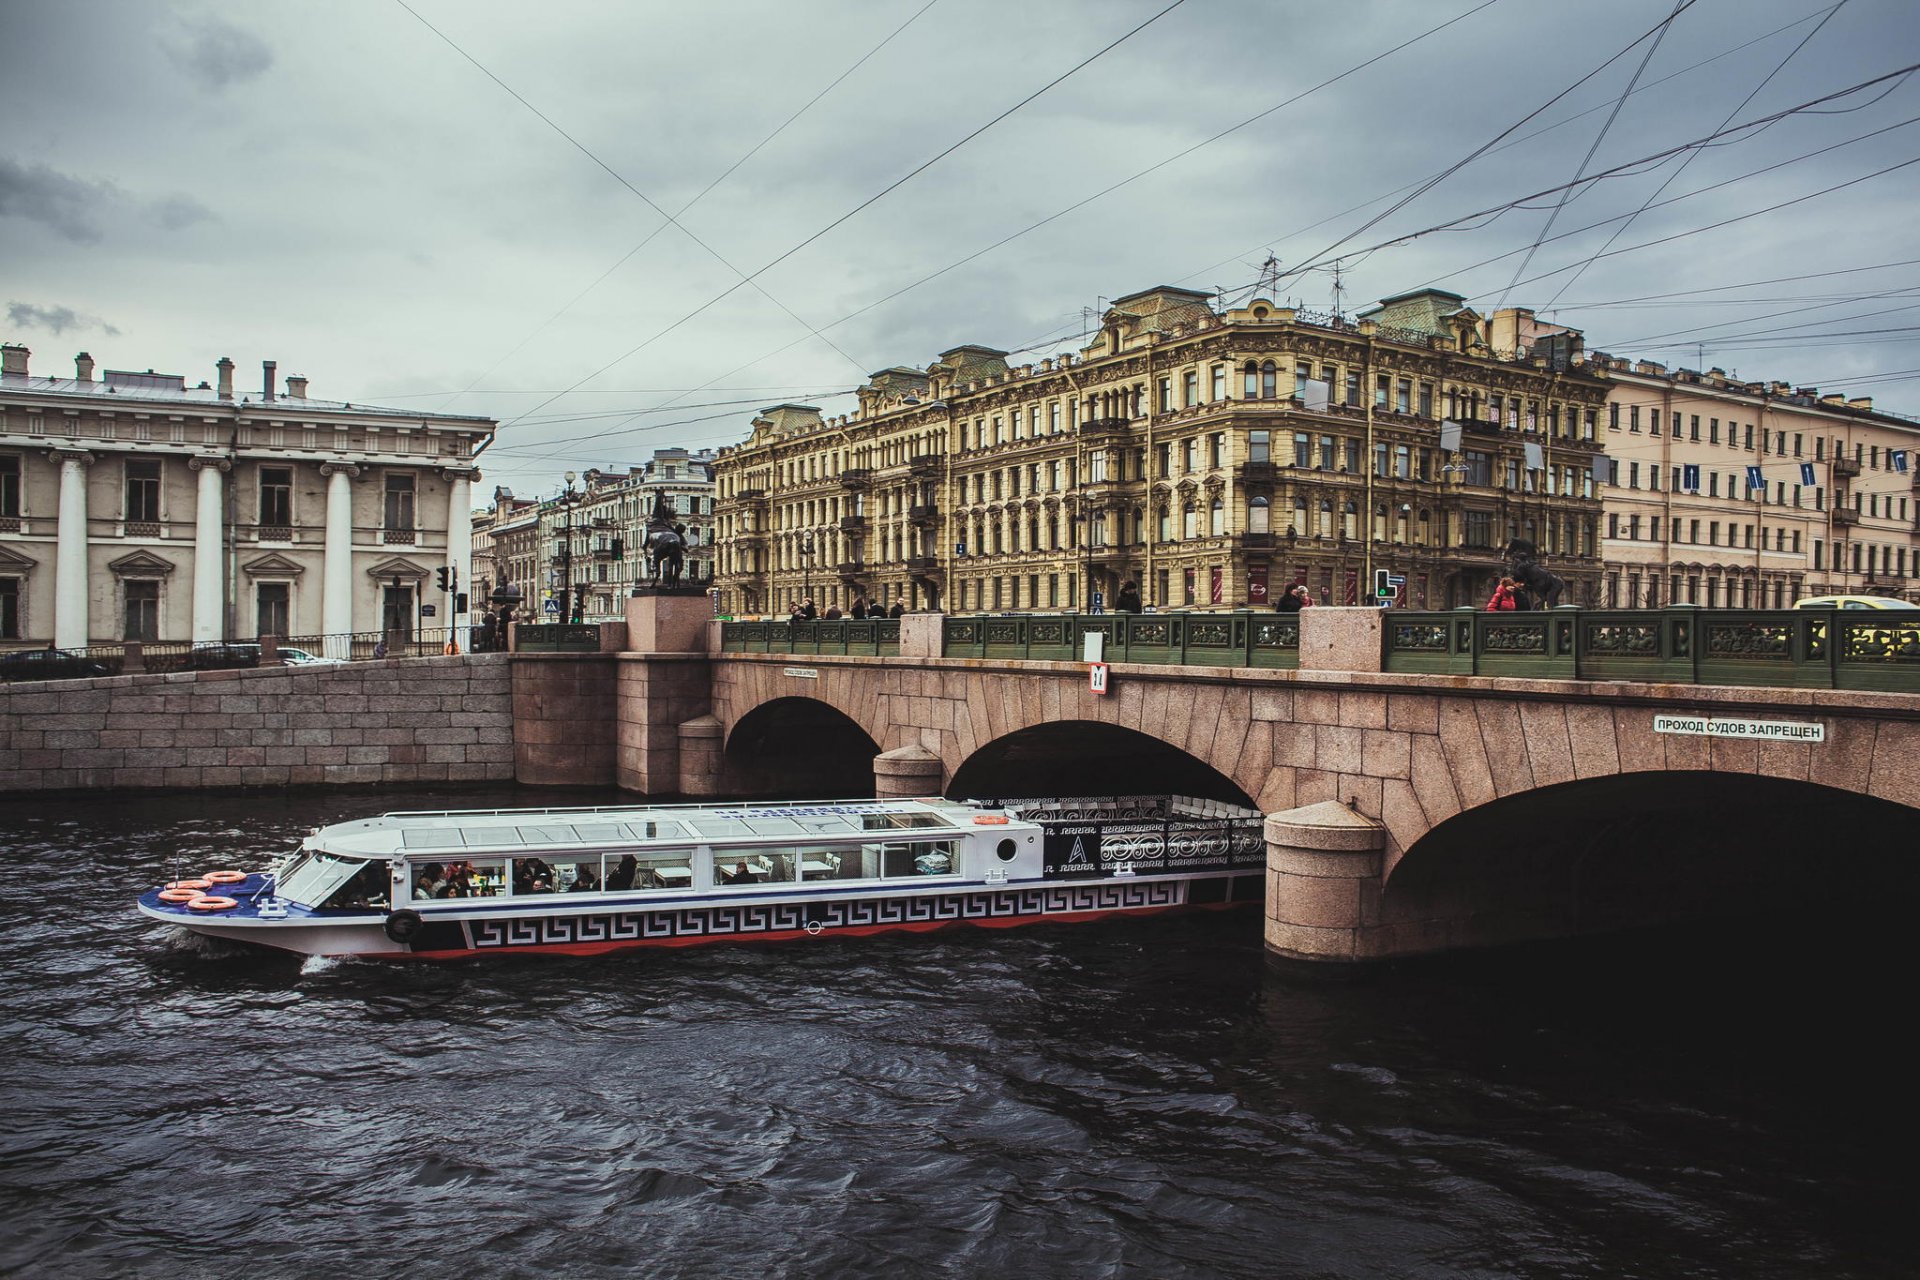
[(581, 881)]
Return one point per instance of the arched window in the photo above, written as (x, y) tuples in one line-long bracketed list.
[(1323, 527), (1217, 518), (1259, 516), (1250, 381), (1269, 381), (1349, 519), (1190, 521)]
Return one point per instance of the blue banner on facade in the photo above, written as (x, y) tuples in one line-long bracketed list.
[(1690, 477), (1806, 473), (1898, 457), (1755, 480)]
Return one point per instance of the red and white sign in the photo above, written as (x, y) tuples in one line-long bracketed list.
[(1097, 677)]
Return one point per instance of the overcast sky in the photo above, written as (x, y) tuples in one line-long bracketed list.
[(337, 187)]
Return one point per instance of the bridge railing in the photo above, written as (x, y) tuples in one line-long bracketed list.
[(1787, 648), (866, 637), (1237, 639)]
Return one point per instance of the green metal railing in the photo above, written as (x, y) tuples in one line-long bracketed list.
[(1239, 639), (867, 637), (1789, 648)]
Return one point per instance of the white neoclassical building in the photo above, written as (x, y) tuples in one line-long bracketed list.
[(133, 506)]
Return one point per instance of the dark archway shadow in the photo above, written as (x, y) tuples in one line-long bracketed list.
[(797, 748), (1639, 849), (1087, 758)]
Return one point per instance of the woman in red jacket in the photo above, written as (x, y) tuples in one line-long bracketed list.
[(1503, 597)]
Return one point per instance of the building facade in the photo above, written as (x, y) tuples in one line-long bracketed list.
[(505, 546), (1212, 458), (1752, 494), (135, 507), (594, 536)]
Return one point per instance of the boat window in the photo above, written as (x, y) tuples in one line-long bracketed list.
[(655, 868), (895, 821), (907, 859), (310, 879), (364, 890), (533, 875), (753, 866), (478, 878)]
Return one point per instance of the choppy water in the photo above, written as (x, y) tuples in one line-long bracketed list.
[(1140, 1100)]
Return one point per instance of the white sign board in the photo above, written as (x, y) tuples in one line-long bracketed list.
[(801, 673), (1093, 646), (1757, 730)]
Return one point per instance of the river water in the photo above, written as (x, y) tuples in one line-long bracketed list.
[(1146, 1099)]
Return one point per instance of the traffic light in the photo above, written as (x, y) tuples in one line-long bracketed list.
[(1382, 588), (441, 574)]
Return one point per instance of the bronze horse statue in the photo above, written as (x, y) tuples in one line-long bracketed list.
[(665, 545), (1543, 586)]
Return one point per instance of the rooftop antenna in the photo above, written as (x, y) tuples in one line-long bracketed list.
[(1338, 289), (1269, 277)]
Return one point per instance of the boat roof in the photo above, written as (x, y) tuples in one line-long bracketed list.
[(468, 832)]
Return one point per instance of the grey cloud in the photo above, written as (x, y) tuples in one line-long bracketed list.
[(26, 315), (64, 203), (176, 212), (217, 54)]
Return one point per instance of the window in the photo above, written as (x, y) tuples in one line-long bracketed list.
[(1479, 464), (1477, 529), (1403, 462), (143, 496), (1613, 417), (1353, 388), (1166, 395), (1259, 448), (1713, 431), (1259, 515), (1217, 518), (1216, 449), (399, 508), (1328, 453), (270, 608), (276, 499), (1426, 399), (1381, 386), (1269, 381), (1302, 449), (1219, 382), (1633, 417), (142, 603), (9, 484), (1250, 382), (1403, 396), (1189, 391), (9, 608)]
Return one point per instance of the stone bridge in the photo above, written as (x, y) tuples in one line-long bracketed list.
[(1407, 813)]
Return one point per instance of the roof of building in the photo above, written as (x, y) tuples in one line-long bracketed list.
[(170, 390)]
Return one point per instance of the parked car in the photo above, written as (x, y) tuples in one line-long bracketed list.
[(1853, 602), (218, 656), (303, 658), (49, 664)]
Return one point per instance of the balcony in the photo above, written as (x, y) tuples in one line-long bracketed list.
[(605, 553), (923, 564), (1106, 426), (855, 479), (923, 517), (1845, 467), (1254, 473), (924, 466), (751, 497), (1256, 542), (853, 524), (1845, 517), (851, 570)]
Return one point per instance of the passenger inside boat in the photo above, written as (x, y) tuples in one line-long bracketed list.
[(531, 875), (584, 881), (428, 880), (621, 877), (741, 874)]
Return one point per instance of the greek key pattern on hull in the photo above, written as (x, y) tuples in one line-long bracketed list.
[(822, 917)]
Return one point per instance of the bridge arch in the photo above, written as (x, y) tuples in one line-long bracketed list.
[(1087, 757), (801, 748)]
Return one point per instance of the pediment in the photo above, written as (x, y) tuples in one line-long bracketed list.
[(396, 567), (13, 564), (273, 566), (141, 564)]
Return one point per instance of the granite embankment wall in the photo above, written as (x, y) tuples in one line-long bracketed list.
[(394, 721)]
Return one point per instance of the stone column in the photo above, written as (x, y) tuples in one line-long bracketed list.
[(907, 772), (460, 546), (70, 626), (209, 550), (336, 575), (1324, 866), (702, 756)]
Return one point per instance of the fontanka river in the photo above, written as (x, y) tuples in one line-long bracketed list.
[(1135, 1099)]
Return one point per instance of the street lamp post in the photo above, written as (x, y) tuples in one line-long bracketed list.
[(806, 566), (569, 608)]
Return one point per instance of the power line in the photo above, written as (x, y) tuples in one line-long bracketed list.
[(1600, 137), (1107, 191), (583, 150), (871, 200), (1675, 175), (1722, 288), (704, 192)]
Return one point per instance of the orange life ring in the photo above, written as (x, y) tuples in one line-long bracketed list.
[(990, 820), (224, 877), (188, 884), (207, 902), (180, 895)]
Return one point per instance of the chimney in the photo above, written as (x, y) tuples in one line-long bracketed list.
[(1860, 402), (266, 379), (83, 368), (13, 360), (225, 366), (296, 386)]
